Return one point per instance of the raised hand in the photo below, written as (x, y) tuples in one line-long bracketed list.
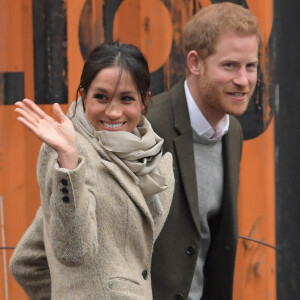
[(58, 134)]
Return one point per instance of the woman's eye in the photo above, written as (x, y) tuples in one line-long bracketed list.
[(100, 97), (127, 99)]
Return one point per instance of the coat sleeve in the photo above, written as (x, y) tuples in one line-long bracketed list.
[(69, 207), (29, 265)]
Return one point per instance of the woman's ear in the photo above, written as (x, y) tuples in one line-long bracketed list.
[(82, 95), (148, 97), (193, 62), (81, 92)]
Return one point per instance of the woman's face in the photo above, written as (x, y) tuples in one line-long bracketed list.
[(111, 108)]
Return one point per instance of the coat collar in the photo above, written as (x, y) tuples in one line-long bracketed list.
[(180, 109)]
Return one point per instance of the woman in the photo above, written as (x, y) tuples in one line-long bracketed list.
[(105, 187)]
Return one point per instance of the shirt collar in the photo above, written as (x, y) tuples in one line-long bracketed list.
[(198, 122)]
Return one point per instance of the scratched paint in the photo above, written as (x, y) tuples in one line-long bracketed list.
[(50, 61)]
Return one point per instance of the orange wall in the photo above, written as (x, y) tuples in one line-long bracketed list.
[(18, 148), (156, 29)]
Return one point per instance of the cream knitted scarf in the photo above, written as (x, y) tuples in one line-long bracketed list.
[(138, 153)]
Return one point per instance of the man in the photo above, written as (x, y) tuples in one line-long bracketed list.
[(194, 255)]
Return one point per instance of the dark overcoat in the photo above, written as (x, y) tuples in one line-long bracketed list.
[(176, 249)]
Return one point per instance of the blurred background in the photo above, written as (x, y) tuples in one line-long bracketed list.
[(43, 45)]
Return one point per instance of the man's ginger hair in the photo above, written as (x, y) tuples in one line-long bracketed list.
[(201, 33)]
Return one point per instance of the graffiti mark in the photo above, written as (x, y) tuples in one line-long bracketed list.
[(50, 57), (11, 87), (252, 245)]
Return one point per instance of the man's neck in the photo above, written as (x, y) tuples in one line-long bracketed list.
[(213, 117), (199, 122)]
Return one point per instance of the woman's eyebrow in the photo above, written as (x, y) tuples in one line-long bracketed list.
[(97, 89)]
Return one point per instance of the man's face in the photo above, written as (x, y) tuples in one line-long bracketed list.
[(228, 77)]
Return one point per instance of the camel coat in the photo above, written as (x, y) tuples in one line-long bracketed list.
[(98, 232)]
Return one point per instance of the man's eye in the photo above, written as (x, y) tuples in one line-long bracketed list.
[(229, 65), (252, 66)]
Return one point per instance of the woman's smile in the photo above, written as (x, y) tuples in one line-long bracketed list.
[(113, 126)]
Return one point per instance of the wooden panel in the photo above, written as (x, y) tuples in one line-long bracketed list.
[(256, 211), (17, 148), (50, 44), (287, 82), (255, 273)]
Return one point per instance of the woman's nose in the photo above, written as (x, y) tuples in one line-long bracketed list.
[(113, 109)]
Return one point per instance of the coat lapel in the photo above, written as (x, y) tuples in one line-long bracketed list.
[(232, 150), (184, 150)]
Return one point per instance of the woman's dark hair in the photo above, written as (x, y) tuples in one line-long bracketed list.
[(125, 56)]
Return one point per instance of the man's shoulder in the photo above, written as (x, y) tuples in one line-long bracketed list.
[(160, 100), (234, 137), (160, 112), (163, 102), (235, 125), (178, 88)]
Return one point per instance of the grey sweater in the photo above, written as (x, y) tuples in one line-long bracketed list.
[(209, 173)]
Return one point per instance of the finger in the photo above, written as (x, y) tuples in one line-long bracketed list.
[(27, 110), (57, 111), (26, 115), (35, 108), (32, 113), (28, 124)]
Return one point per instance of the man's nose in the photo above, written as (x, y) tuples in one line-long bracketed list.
[(241, 77)]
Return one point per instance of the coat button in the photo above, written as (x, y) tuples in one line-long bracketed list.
[(66, 199), (179, 297), (64, 182), (190, 250), (65, 190), (145, 274)]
